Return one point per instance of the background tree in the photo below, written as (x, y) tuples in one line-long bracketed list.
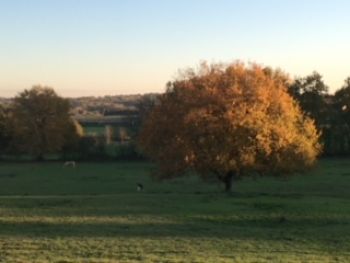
[(342, 102), (311, 93), (73, 134), (5, 130), (41, 121), (227, 122), (144, 106), (338, 129)]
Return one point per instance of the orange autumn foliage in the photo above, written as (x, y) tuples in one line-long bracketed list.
[(229, 121)]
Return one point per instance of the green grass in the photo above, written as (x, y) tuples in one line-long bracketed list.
[(94, 214)]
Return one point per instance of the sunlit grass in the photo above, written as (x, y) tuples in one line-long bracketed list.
[(94, 214)]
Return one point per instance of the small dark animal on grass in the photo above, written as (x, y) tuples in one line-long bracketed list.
[(139, 187), (282, 219), (69, 164)]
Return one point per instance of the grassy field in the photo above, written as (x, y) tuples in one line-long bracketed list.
[(94, 214)]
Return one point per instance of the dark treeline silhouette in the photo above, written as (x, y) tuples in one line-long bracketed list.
[(331, 112)]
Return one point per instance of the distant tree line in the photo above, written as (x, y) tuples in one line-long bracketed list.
[(37, 124), (331, 112)]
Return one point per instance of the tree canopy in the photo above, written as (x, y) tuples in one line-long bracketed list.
[(342, 101), (310, 92), (41, 121), (5, 133), (225, 122)]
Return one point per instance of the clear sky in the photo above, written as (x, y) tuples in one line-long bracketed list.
[(99, 47)]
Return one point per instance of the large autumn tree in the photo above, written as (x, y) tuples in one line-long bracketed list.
[(226, 122), (41, 121)]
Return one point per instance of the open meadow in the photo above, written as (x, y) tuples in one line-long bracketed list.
[(93, 213)]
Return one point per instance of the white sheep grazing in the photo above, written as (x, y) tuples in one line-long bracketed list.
[(69, 163)]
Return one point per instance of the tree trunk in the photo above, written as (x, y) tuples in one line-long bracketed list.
[(40, 157), (228, 181)]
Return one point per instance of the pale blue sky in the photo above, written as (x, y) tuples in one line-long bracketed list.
[(98, 47)]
